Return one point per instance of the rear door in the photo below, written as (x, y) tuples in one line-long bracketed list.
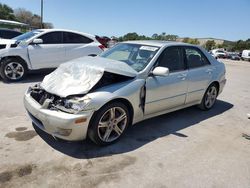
[(77, 45), (50, 53), (199, 74)]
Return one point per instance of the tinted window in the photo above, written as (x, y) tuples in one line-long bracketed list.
[(9, 34), (52, 38), (75, 38), (195, 58), (172, 58)]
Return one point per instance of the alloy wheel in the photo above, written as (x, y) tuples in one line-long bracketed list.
[(112, 124), (211, 97), (14, 70)]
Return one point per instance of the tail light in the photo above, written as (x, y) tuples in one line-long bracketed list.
[(102, 47)]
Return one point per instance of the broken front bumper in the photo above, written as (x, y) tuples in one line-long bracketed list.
[(59, 124)]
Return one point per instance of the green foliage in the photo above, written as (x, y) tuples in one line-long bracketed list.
[(191, 41), (163, 36), (238, 46), (22, 15), (210, 44), (241, 45), (135, 36), (6, 12)]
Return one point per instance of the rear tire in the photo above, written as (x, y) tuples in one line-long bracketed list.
[(209, 97), (13, 69), (109, 123)]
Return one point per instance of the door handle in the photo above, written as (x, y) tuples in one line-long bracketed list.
[(209, 71), (182, 76)]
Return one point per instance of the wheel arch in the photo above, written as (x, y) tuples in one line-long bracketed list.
[(125, 102), (15, 57), (216, 83)]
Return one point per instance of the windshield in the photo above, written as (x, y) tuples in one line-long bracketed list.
[(27, 35), (135, 55), (220, 51)]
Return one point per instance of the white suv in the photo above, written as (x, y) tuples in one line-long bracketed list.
[(43, 48)]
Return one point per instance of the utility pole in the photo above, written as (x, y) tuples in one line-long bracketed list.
[(41, 14)]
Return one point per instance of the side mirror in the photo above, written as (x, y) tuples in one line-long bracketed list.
[(160, 71), (37, 41)]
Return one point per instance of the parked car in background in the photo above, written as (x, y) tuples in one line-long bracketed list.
[(246, 55), (99, 97), (8, 33), (212, 54), (239, 54), (219, 53), (103, 40), (233, 56), (43, 48), (112, 42)]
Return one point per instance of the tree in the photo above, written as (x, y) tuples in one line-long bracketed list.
[(6, 12), (171, 37), (191, 41), (155, 36), (28, 17), (195, 42), (186, 40), (47, 25), (23, 15), (210, 44), (130, 36)]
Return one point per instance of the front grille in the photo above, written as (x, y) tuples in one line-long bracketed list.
[(2, 46)]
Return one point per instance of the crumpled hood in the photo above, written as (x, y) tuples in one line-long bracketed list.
[(79, 76), (7, 41)]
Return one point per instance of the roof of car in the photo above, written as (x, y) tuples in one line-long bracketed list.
[(4, 29), (157, 43)]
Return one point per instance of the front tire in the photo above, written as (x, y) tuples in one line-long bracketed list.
[(13, 70), (109, 123), (209, 97)]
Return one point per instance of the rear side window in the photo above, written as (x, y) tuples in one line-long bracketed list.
[(172, 58), (52, 38), (195, 58), (74, 38)]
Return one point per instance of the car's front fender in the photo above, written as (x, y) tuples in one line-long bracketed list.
[(129, 91)]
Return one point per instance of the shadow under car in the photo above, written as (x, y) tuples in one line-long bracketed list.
[(138, 135)]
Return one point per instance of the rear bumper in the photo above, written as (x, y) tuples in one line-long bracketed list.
[(56, 123), (222, 85)]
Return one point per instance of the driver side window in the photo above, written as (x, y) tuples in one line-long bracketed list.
[(172, 58), (52, 38)]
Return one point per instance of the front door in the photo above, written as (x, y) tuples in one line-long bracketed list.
[(167, 92), (49, 54)]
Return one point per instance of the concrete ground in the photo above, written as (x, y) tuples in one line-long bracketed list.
[(187, 148)]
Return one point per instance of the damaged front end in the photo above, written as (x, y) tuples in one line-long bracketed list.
[(73, 104), (70, 86)]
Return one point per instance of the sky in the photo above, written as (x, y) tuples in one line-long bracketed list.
[(223, 19)]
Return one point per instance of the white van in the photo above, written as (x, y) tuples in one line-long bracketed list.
[(246, 55)]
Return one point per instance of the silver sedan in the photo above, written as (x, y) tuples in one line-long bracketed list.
[(99, 97)]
